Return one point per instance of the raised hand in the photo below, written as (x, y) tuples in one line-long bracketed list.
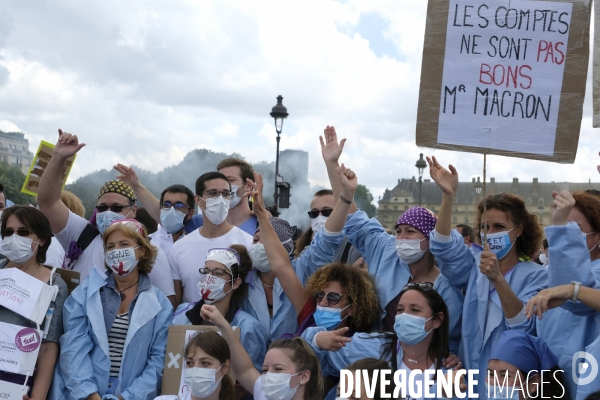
[(67, 145), (562, 205), (348, 180), (446, 179), (255, 189), (489, 265), (330, 148), (548, 299), (333, 340), (211, 314), (127, 175)]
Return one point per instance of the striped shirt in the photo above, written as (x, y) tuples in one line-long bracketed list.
[(116, 342)]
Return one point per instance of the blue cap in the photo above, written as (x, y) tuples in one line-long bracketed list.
[(526, 352)]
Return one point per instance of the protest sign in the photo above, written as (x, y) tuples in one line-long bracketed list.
[(173, 375), (504, 77), (24, 294), (19, 348), (38, 166), (12, 391)]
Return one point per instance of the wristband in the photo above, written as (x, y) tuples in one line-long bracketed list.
[(345, 200), (575, 290)]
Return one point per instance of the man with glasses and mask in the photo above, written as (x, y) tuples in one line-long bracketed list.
[(81, 240), (213, 197)]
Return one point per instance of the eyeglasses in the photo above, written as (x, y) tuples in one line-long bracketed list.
[(426, 286), (114, 208), (332, 297), (315, 213), (179, 206), (20, 231), (218, 272), (213, 193)]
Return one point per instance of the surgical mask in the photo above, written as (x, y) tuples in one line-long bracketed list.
[(171, 220), (543, 259), (585, 235), (318, 223), (18, 248), (201, 381), (499, 243), (121, 261), (410, 329), (211, 288), (236, 199), (259, 257), (104, 219), (497, 393), (216, 209), (329, 317), (277, 386), (409, 250)]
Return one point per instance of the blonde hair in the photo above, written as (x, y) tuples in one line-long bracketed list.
[(146, 261), (73, 203)]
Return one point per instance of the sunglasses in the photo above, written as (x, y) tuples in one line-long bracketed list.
[(426, 286), (315, 213), (20, 231), (115, 208), (179, 206), (332, 297)]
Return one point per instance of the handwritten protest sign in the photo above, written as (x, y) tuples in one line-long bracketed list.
[(38, 166), (504, 77), (19, 348), (12, 391), (24, 294)]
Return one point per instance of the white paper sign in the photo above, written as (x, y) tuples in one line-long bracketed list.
[(503, 74), (11, 391), (24, 294), (19, 348)]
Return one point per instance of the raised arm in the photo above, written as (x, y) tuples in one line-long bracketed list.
[(332, 150), (348, 183), (548, 299), (447, 181), (51, 181), (241, 362), (276, 254), (130, 177)]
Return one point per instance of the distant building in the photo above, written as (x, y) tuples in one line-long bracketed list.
[(293, 166), (537, 196), (14, 150)]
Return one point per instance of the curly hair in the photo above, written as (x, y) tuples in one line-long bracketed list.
[(531, 237), (589, 205), (146, 261), (358, 285)]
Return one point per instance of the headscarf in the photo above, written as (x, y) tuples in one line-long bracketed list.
[(419, 218), (283, 231), (119, 187)]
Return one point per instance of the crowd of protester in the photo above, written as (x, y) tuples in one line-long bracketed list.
[(506, 297)]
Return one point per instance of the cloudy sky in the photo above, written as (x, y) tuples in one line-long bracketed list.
[(145, 82)]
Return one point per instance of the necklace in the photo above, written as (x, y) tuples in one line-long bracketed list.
[(410, 360), (121, 291)]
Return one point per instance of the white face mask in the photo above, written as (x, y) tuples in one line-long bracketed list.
[(543, 259), (121, 261), (104, 219), (318, 223), (409, 250), (211, 288), (18, 248), (259, 257), (216, 209), (171, 220), (236, 199), (277, 386), (201, 381)]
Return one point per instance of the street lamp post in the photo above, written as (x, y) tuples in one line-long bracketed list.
[(279, 113), (421, 165)]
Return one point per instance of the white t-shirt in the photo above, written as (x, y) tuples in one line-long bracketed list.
[(188, 255), (418, 381), (163, 239), (93, 255)]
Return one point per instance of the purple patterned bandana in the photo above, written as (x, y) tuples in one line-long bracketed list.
[(420, 218)]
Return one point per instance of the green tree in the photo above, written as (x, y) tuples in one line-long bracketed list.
[(364, 200), (12, 178)]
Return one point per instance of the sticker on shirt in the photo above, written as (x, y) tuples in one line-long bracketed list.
[(24, 294), (19, 348)]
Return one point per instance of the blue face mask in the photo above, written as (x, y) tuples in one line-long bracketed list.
[(329, 318), (501, 394), (171, 220), (104, 219), (410, 329), (499, 243)]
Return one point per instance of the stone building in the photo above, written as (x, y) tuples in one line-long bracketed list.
[(537, 195), (14, 150)]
